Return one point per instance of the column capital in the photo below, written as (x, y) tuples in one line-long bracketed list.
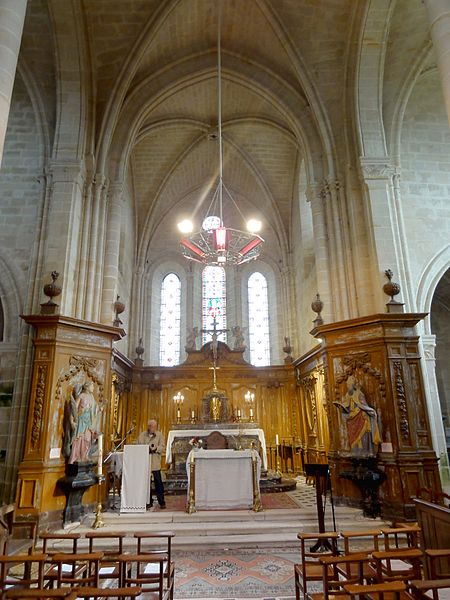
[(429, 346), (377, 168), (65, 171)]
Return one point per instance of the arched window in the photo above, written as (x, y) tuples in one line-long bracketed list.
[(258, 320), (214, 302), (169, 330)]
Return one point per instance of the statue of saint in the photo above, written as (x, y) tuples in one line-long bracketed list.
[(361, 420), (86, 429), (191, 338), (71, 419), (238, 334)]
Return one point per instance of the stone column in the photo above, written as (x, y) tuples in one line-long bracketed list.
[(321, 250), (111, 258), (384, 248), (12, 17), (439, 18)]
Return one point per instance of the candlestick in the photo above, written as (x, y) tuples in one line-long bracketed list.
[(192, 414), (277, 440), (100, 454), (239, 414), (251, 415)]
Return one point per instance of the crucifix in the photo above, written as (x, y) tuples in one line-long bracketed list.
[(214, 333)]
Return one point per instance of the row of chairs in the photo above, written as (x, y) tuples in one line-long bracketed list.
[(148, 566), (390, 565)]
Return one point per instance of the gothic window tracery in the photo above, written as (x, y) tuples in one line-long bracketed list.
[(258, 320), (214, 305), (170, 321)]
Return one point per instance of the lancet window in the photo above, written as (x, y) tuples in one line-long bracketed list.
[(170, 321), (214, 303), (258, 320)]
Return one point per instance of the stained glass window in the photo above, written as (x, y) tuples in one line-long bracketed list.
[(169, 332), (258, 320), (214, 301)]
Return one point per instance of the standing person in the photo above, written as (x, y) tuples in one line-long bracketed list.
[(155, 441)]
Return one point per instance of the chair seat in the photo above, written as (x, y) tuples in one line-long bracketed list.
[(313, 571)]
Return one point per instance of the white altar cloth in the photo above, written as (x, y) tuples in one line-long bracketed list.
[(202, 433), (135, 491), (223, 479)]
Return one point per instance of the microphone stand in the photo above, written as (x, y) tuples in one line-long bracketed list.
[(115, 449)]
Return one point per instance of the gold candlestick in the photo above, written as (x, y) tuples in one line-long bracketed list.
[(98, 522), (277, 455), (178, 399)]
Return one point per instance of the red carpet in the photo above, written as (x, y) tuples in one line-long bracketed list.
[(269, 501)]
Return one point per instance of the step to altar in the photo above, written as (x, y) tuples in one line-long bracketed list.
[(243, 528)]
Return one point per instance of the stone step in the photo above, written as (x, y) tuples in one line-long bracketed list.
[(275, 528)]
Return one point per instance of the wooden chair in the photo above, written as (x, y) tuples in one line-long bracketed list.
[(67, 542), (378, 591), (16, 536), (437, 561), (337, 570), (369, 538), (397, 565), (310, 569), (41, 594), (109, 565), (93, 593), (430, 589), (157, 543), (27, 570), (78, 569), (400, 538), (148, 571)]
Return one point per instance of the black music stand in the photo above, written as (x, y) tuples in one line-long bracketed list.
[(116, 448), (321, 474)]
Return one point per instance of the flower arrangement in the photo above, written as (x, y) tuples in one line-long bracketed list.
[(196, 442)]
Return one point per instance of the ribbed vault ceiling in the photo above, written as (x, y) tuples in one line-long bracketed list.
[(286, 65)]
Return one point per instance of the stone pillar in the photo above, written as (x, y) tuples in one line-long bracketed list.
[(434, 407), (377, 178), (111, 258), (321, 251), (64, 230), (439, 18), (377, 358), (67, 352), (12, 17)]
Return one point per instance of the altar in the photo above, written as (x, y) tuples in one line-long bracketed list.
[(244, 437), (223, 479)]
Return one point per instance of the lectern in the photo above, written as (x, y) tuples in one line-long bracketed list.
[(321, 474), (134, 494)]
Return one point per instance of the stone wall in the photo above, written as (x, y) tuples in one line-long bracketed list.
[(425, 174)]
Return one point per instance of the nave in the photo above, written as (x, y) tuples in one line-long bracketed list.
[(240, 554)]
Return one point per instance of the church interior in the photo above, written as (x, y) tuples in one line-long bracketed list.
[(231, 217)]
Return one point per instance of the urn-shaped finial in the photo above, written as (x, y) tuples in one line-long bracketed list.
[(140, 349), (391, 288), (51, 290), (317, 306), (119, 307)]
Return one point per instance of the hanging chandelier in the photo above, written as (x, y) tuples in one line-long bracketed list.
[(215, 243)]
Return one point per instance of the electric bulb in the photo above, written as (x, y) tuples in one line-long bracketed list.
[(185, 226), (254, 225)]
